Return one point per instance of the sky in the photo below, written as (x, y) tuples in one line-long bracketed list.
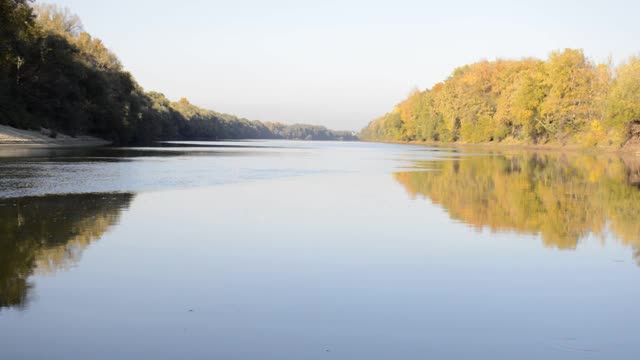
[(338, 63)]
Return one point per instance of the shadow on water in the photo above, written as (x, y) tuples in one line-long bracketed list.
[(562, 197), (43, 171), (122, 154), (44, 234)]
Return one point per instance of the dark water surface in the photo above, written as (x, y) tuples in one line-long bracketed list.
[(301, 250)]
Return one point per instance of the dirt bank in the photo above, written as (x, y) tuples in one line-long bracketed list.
[(10, 136), (631, 147)]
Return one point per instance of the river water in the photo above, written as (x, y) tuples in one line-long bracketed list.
[(317, 250)]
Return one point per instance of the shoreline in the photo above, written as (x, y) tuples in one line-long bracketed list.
[(624, 150), (11, 137)]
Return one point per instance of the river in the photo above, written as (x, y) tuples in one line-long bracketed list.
[(317, 250)]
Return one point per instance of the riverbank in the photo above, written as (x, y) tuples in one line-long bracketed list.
[(10, 136), (632, 147)]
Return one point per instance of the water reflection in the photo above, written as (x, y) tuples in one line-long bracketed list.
[(44, 171), (43, 234), (562, 197)]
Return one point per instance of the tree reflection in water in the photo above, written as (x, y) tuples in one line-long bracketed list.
[(43, 234), (562, 197)]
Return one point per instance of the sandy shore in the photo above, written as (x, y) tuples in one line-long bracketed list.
[(10, 136)]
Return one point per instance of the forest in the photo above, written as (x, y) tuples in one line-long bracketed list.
[(56, 76), (565, 100)]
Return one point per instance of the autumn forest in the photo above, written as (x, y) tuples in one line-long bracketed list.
[(567, 99)]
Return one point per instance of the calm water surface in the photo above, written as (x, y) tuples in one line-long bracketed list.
[(301, 250)]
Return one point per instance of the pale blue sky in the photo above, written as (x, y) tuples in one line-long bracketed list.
[(337, 63)]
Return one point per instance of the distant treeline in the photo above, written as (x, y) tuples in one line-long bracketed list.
[(567, 99), (54, 75), (307, 132)]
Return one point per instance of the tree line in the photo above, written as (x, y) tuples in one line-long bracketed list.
[(54, 75), (567, 99)]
